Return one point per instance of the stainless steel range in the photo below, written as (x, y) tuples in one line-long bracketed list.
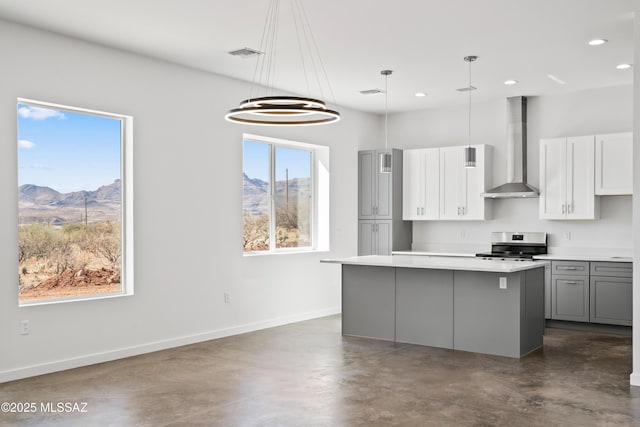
[(516, 246)]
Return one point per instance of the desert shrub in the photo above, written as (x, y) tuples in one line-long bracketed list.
[(103, 239), (256, 232), (35, 241)]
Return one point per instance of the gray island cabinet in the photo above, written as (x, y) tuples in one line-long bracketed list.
[(484, 306)]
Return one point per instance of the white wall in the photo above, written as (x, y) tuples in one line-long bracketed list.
[(635, 375), (595, 111), (188, 186)]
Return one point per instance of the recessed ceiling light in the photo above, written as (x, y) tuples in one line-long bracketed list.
[(623, 66), (597, 42), (510, 82), (421, 94)]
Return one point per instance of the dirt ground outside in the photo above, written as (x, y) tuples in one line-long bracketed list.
[(75, 282)]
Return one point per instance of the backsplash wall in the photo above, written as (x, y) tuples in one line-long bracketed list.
[(605, 110)]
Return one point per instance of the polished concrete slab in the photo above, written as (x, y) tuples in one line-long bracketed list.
[(307, 374)]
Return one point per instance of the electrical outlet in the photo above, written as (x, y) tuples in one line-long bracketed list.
[(503, 283), (24, 327), (567, 235), (227, 298)]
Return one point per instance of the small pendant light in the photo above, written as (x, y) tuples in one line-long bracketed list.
[(385, 158), (470, 152)]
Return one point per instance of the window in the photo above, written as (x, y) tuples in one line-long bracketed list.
[(74, 203), (282, 181)]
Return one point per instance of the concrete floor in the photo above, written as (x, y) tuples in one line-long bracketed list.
[(307, 374)]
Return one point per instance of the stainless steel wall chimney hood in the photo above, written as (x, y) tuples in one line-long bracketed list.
[(516, 185)]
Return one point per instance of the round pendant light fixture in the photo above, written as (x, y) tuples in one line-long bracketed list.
[(269, 110), (470, 152)]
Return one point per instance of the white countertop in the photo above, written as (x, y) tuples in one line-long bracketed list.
[(585, 258), (441, 263), (549, 257)]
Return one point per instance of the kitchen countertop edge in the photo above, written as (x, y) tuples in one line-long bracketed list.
[(440, 263)]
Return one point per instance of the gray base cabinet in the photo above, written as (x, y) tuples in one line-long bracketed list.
[(611, 293), (368, 302), (504, 322), (595, 292), (424, 307), (462, 310), (570, 298), (374, 237)]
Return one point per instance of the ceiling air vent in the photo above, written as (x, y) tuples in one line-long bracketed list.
[(245, 52), (371, 91), (466, 89)]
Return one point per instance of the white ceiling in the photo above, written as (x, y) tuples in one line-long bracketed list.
[(423, 41)]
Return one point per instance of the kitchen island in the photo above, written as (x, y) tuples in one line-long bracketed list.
[(470, 304)]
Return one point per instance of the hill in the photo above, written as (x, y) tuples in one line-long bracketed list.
[(39, 204)]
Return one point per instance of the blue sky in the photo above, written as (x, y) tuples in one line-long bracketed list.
[(256, 161), (67, 151)]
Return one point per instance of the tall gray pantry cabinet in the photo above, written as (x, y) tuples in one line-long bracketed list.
[(380, 225)]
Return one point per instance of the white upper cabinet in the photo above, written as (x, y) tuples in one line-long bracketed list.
[(436, 185), (461, 188), (421, 184), (567, 171), (614, 164)]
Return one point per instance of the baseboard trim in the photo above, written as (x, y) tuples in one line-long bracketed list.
[(108, 356)]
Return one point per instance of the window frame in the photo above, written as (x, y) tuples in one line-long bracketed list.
[(126, 200), (313, 149)]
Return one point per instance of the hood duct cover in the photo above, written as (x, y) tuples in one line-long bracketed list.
[(516, 185)]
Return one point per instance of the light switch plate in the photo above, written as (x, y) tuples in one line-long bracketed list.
[(503, 283)]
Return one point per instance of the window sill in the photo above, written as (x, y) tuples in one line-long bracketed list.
[(285, 252), (72, 299)]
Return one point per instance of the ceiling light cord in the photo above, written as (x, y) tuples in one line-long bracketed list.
[(469, 151), (386, 111), (273, 110), (471, 60)]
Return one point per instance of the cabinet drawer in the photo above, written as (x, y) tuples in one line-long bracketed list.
[(611, 269), (573, 268)]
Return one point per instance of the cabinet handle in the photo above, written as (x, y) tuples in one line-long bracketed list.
[(464, 210), (417, 211), (422, 210), (570, 282), (563, 208), (567, 268), (458, 210)]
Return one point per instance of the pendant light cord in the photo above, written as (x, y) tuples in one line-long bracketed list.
[(470, 103), (386, 111)]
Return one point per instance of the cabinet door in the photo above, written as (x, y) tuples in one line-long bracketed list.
[(580, 178), (382, 237), (431, 183), (611, 300), (412, 184), (368, 301), (614, 164), (383, 190), (424, 307), (366, 238), (553, 185), (570, 298), (474, 187), (366, 184), (452, 179)]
